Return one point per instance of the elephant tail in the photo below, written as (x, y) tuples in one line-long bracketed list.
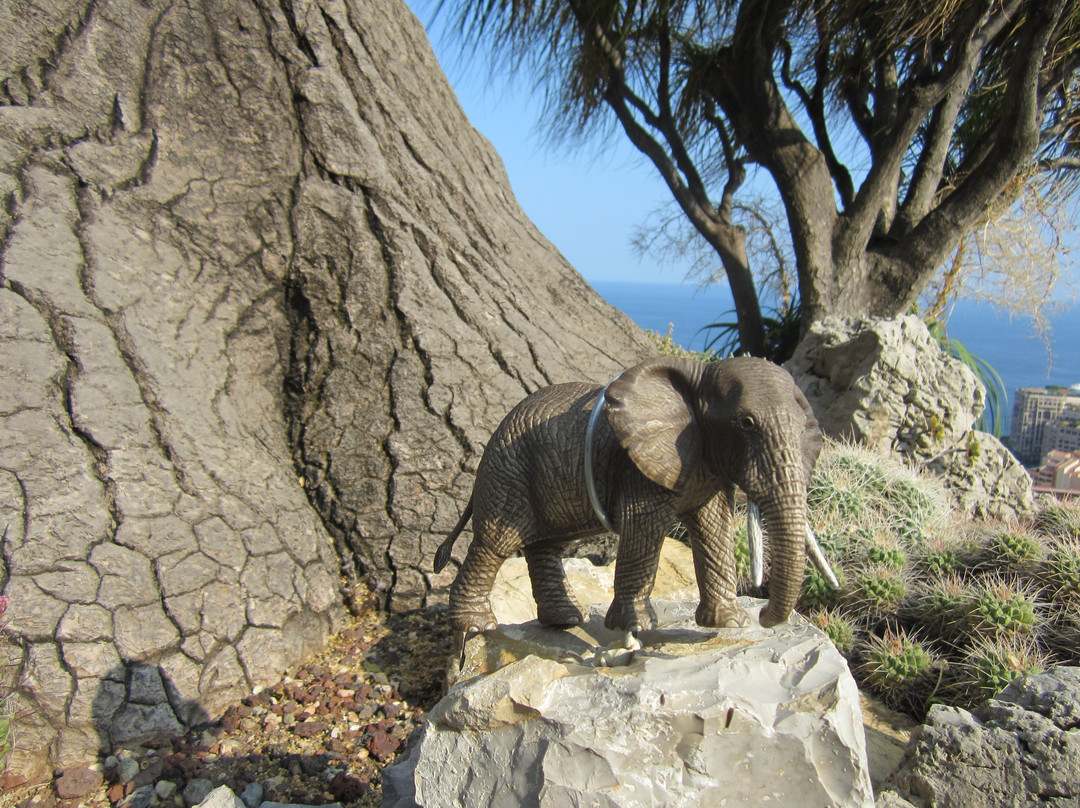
[(442, 555)]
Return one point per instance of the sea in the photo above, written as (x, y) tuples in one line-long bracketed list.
[(1009, 344)]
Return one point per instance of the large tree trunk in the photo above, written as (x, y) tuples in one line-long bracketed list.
[(263, 295)]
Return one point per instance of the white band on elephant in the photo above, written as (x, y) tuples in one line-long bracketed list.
[(813, 549), (590, 439), (755, 540)]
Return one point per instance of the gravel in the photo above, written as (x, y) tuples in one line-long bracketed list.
[(321, 735)]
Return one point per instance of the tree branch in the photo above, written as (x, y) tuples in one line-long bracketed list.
[(1012, 143), (918, 98), (815, 109)]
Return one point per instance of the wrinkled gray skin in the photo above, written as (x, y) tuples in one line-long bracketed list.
[(677, 439)]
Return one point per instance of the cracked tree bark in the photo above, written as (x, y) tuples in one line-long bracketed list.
[(264, 293)]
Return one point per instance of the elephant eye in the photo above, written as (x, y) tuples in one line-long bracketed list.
[(746, 423)]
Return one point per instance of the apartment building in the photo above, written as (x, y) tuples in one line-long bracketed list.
[(1034, 411)]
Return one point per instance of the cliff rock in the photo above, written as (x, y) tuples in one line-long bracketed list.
[(887, 383)]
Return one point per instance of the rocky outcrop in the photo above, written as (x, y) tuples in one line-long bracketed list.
[(1021, 748), (263, 295), (886, 383), (696, 717)]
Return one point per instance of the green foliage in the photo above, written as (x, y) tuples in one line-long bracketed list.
[(783, 330)]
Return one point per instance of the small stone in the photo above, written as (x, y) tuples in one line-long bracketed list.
[(149, 773), (252, 795), (76, 783), (347, 788), (197, 790), (165, 789), (309, 729), (139, 798), (391, 709), (382, 745), (127, 769)]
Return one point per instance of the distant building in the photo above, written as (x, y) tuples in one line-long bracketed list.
[(1034, 410), (1060, 474), (1063, 433)]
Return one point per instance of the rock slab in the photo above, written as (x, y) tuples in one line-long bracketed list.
[(887, 383), (1020, 748), (739, 717)]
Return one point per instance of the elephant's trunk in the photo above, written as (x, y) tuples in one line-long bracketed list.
[(785, 520)]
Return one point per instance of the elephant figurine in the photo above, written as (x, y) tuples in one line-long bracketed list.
[(676, 438)]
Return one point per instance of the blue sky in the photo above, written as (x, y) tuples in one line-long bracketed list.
[(587, 200)]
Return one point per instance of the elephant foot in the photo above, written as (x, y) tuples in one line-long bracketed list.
[(723, 615), (632, 616), (472, 621), (559, 614)]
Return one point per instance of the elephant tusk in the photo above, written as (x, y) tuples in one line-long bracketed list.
[(756, 540), (813, 549)]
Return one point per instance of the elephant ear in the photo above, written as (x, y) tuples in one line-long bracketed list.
[(650, 410), (812, 440)]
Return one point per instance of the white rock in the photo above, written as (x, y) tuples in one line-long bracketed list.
[(699, 717), (220, 797)]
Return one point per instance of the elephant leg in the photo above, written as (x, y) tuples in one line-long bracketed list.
[(470, 606), (641, 535), (712, 539), (555, 603)]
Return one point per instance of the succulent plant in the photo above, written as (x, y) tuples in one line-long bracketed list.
[(1060, 571), (1060, 519), (1002, 607), (837, 627), (877, 590), (992, 663), (1011, 549), (941, 603), (939, 555), (817, 593), (896, 666)]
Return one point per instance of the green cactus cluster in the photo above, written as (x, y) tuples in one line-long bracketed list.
[(933, 607), (898, 666)]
